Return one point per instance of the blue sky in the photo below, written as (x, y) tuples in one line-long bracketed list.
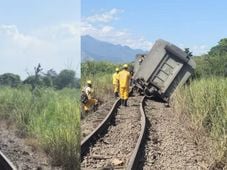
[(48, 31), (197, 24), (40, 31)]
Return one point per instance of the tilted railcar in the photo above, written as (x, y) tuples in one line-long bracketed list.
[(162, 70), (138, 62)]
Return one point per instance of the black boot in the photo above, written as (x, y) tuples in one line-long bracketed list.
[(125, 102), (122, 102), (95, 108)]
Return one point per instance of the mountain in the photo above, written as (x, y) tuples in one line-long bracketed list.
[(93, 49)]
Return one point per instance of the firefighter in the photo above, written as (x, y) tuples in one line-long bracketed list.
[(124, 81), (91, 102), (116, 82)]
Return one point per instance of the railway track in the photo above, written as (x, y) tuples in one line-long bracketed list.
[(91, 121), (5, 164), (116, 141)]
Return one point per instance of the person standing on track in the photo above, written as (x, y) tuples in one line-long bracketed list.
[(116, 82), (124, 81), (91, 101)]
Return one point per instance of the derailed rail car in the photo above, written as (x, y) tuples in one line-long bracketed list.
[(138, 62), (163, 69)]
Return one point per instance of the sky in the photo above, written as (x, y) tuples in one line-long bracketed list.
[(48, 31), (40, 31), (194, 24)]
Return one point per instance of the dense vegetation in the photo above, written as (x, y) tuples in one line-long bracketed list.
[(205, 99), (214, 63), (205, 102), (100, 73), (46, 108)]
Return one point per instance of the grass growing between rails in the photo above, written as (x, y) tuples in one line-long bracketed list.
[(52, 117), (205, 101)]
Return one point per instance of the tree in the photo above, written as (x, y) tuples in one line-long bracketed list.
[(220, 49), (66, 78), (49, 79), (35, 80), (215, 62), (9, 79), (76, 83)]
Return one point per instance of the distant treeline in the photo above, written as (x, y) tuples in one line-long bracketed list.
[(214, 63), (66, 78), (92, 68)]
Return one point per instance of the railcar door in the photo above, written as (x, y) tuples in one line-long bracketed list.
[(167, 72)]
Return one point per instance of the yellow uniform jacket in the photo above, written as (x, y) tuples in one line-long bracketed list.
[(124, 78), (115, 78)]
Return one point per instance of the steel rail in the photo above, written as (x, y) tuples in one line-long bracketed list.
[(5, 163), (134, 159), (91, 138)]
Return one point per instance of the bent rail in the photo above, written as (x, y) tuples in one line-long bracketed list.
[(89, 140), (133, 162), (5, 163)]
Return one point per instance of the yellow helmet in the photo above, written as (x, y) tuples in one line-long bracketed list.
[(89, 82), (117, 69), (125, 66)]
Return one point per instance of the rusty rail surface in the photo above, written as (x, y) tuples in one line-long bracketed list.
[(5, 163), (90, 139)]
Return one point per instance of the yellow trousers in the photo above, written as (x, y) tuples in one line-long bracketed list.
[(89, 104), (116, 88), (124, 92)]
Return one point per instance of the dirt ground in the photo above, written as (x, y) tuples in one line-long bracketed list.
[(171, 142), (18, 151)]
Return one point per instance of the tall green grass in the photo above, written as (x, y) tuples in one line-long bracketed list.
[(100, 73), (205, 101), (52, 117), (102, 84)]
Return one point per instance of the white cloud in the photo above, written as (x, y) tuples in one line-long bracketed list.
[(61, 31), (196, 49), (105, 17), (200, 49), (11, 33), (56, 47), (107, 29), (111, 34), (99, 26)]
